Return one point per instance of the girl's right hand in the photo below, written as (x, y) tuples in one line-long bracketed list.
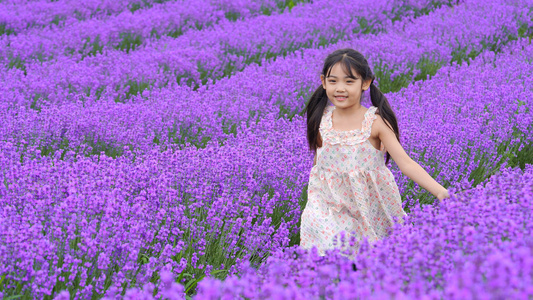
[(443, 195)]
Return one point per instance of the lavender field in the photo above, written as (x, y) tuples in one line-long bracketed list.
[(157, 149)]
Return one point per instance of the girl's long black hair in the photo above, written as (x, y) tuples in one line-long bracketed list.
[(350, 59)]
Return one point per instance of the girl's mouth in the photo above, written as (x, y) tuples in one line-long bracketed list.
[(340, 98)]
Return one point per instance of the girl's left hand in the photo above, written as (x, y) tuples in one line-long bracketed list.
[(443, 195)]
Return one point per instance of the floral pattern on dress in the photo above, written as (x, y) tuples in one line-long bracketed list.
[(350, 188)]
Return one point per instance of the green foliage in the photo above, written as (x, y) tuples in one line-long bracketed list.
[(265, 55), (492, 43), (302, 201), (525, 31), (135, 88), (186, 79), (134, 6), (90, 47), (396, 14), (413, 190), (91, 146), (98, 147), (129, 42), (58, 19), (98, 92), (464, 54), (198, 25), (521, 157), (289, 4), (428, 68), (183, 134), (79, 15), (4, 30), (384, 73), (303, 96), (143, 4), (399, 12), (288, 112), (164, 67), (175, 32), (232, 16), (364, 26), (36, 101), (16, 62), (267, 11), (229, 127), (520, 153)]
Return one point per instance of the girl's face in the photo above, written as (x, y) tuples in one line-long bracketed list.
[(342, 90)]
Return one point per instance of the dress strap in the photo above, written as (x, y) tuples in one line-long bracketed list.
[(369, 120), (325, 123), (370, 116)]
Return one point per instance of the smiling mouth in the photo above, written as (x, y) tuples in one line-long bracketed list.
[(340, 97)]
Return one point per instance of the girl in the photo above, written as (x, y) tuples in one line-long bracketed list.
[(350, 187)]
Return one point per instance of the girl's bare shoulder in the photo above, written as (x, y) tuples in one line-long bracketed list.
[(379, 125)]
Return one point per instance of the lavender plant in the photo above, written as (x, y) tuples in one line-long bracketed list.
[(475, 244), (193, 58), (169, 219), (124, 31), (161, 121)]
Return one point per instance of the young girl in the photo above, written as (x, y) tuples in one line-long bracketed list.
[(350, 187)]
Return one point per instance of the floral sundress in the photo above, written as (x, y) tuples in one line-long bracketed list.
[(350, 189)]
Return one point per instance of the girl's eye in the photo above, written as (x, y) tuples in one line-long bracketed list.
[(349, 81), (332, 81)]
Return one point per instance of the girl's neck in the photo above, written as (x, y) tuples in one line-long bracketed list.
[(349, 111)]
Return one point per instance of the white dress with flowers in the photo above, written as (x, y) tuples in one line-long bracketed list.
[(350, 189)]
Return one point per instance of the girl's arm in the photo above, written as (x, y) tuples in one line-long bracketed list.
[(408, 166)]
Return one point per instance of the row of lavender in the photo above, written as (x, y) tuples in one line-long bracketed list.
[(17, 16), (180, 116), (58, 17), (478, 245), (89, 226), (196, 57)]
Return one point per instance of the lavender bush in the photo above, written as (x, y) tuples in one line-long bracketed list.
[(163, 119), (126, 30), (477, 244), (169, 219), (18, 16), (487, 106), (164, 212), (195, 58)]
